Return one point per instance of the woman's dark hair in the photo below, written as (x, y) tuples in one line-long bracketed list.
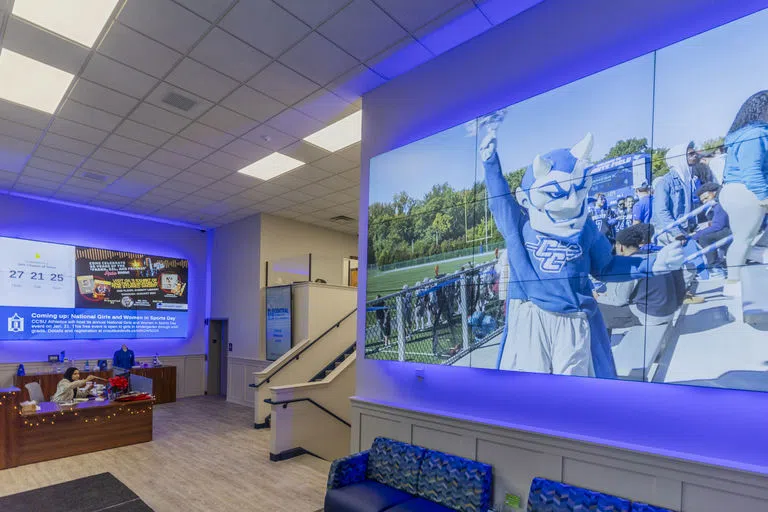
[(753, 111), (70, 371)]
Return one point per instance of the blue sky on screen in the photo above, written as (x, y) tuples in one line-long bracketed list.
[(702, 82), (700, 85)]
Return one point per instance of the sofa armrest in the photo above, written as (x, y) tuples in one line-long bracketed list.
[(348, 470)]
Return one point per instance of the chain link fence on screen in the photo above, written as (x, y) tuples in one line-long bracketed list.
[(437, 320)]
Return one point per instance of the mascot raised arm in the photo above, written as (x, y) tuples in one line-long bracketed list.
[(553, 323)]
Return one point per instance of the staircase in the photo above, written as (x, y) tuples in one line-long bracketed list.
[(334, 364)]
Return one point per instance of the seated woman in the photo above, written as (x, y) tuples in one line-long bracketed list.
[(71, 386)]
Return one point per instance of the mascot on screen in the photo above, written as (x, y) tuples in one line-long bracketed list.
[(553, 323)]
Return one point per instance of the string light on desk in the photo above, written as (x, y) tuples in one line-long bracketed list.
[(93, 420), (6, 396)]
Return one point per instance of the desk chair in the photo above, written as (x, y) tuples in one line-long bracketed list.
[(35, 392)]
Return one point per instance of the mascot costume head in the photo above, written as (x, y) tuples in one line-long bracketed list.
[(554, 190)]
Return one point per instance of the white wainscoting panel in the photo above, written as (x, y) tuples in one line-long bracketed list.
[(239, 376), (517, 456)]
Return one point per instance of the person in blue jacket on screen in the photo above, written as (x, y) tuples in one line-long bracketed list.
[(123, 358), (553, 324), (745, 182)]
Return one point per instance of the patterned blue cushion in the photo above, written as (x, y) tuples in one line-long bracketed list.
[(642, 507), (457, 483), (348, 470), (608, 503), (395, 464), (548, 496)]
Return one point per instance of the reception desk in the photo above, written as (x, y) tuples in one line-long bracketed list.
[(163, 381), (53, 433)]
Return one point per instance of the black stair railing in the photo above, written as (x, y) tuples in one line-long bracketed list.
[(285, 404), (297, 355)]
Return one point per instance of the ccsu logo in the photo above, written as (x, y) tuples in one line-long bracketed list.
[(553, 254), (15, 323)]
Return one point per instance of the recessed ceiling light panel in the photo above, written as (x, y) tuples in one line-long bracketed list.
[(271, 166), (340, 134), (31, 83), (78, 20)]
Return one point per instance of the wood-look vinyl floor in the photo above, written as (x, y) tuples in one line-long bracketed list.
[(205, 456)]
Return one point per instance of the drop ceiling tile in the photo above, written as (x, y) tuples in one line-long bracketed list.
[(268, 137), (325, 106), (112, 74), (102, 167), (95, 177), (70, 193), (351, 153), (311, 173), (41, 174), (141, 207), (57, 155), (218, 209), (19, 131), (129, 47), (116, 157), (242, 180), (399, 58), (334, 163), (201, 80), (181, 186), (165, 192), (88, 116), (453, 28), (228, 121), (298, 197), (83, 183), (318, 59), (412, 15), (356, 82), (172, 159), (142, 132), (246, 150), (314, 12), (224, 188), (158, 169), (151, 203), (164, 21), (206, 135), (279, 202), (272, 189), (227, 161), (319, 203), (24, 115), (227, 54), (352, 176), (288, 214), (193, 179), (55, 141), (50, 165), (291, 180), (252, 104), (143, 178), (304, 152), (42, 45), (33, 190), (129, 146), (265, 26), (208, 9), (188, 148), (250, 197), (212, 194), (317, 190), (362, 29), (336, 183), (159, 118), (295, 123), (193, 203), (283, 83), (109, 200), (162, 91), (209, 170)]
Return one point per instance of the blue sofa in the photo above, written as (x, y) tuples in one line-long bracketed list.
[(400, 477), (549, 496)]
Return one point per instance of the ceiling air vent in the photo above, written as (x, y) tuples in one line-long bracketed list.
[(178, 101), (342, 219), (93, 176)]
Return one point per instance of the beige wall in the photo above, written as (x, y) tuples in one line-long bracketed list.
[(283, 238)]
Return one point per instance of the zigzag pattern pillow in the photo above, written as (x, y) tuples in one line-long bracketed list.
[(395, 464), (548, 496), (348, 470), (457, 483)]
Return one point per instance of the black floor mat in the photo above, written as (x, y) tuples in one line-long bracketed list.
[(90, 494)]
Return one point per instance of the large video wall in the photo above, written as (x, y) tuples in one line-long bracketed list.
[(610, 228), (53, 291)]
